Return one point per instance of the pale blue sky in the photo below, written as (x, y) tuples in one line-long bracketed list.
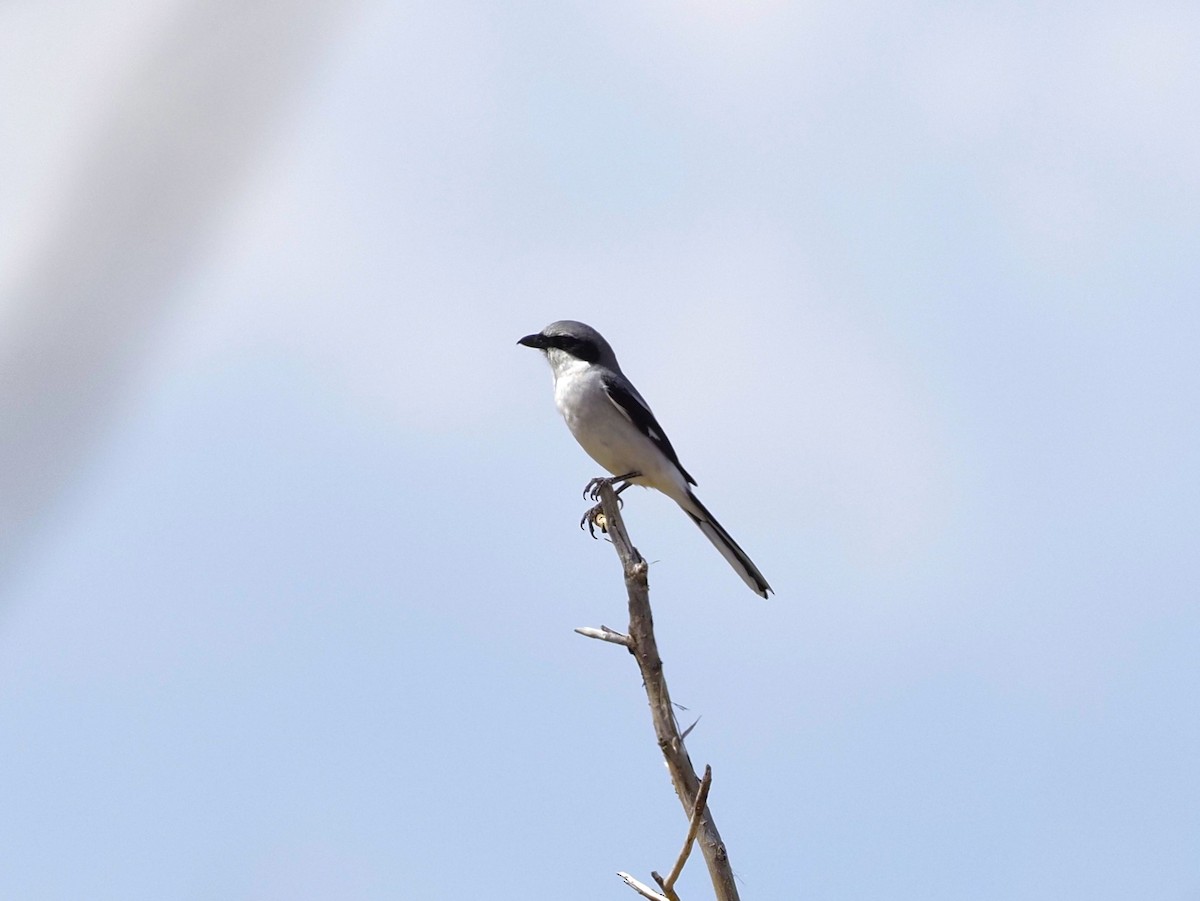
[(287, 599)]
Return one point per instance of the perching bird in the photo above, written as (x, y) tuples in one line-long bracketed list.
[(611, 421)]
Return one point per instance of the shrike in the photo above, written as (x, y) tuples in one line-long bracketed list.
[(611, 421)]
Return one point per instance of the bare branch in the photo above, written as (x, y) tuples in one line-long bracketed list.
[(645, 649)]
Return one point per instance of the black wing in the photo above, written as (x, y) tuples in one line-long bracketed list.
[(634, 409)]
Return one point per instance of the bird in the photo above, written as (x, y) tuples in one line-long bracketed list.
[(613, 423)]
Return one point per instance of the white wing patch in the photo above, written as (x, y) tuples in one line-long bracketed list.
[(612, 400)]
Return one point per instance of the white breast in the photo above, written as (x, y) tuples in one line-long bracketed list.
[(605, 433)]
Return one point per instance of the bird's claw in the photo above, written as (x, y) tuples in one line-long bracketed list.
[(591, 491), (594, 518)]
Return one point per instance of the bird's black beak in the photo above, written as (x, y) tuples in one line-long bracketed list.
[(538, 341)]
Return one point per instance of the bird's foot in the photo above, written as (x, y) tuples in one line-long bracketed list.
[(594, 519), (591, 490)]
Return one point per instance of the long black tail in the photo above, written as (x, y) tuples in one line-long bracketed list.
[(724, 543)]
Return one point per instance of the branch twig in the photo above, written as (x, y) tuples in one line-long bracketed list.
[(644, 648), (668, 884)]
